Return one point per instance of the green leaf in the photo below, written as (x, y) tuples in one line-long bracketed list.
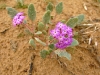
[(51, 38), (27, 32), (44, 32), (49, 6), (11, 11), (98, 0), (59, 8), (43, 53), (31, 12), (21, 2), (63, 53), (46, 17), (32, 43), (50, 51), (72, 22), (38, 40), (51, 46), (74, 43), (38, 33), (41, 26), (80, 18)]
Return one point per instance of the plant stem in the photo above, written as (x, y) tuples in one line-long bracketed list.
[(28, 28), (33, 27)]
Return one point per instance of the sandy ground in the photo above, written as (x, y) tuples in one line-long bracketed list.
[(16, 56)]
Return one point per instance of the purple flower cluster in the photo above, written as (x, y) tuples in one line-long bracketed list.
[(18, 19), (63, 34)]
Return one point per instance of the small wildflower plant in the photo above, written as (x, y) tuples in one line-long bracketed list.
[(58, 39), (20, 4)]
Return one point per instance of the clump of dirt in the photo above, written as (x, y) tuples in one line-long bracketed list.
[(17, 57)]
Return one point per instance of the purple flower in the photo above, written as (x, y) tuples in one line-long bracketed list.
[(19, 14), (59, 45), (59, 25), (55, 33), (70, 34), (64, 30), (63, 35), (18, 18), (68, 41), (63, 44)]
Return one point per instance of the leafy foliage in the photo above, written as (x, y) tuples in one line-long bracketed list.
[(11, 11), (38, 32), (59, 8), (63, 53), (41, 26), (51, 46), (44, 32), (74, 43), (32, 43), (27, 32), (38, 40), (43, 53), (80, 18), (72, 22), (49, 6), (46, 17), (21, 2), (31, 12), (98, 0)]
